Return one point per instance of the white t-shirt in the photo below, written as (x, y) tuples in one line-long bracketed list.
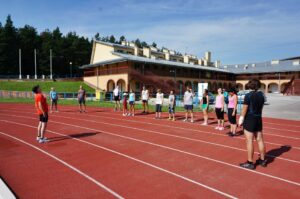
[(171, 101), (145, 94), (188, 98), (116, 92), (159, 98)]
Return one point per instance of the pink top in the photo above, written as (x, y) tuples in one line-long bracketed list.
[(231, 101), (219, 101)]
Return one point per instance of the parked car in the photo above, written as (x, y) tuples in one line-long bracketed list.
[(241, 95)]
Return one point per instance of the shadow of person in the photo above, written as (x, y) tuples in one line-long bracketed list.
[(274, 153), (78, 136)]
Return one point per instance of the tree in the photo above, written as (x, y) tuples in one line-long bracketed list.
[(112, 39), (97, 36), (154, 44), (122, 38), (138, 43), (144, 44), (9, 48)]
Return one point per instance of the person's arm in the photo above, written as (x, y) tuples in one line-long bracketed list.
[(162, 100), (207, 101), (235, 105), (244, 110), (41, 108), (223, 103)]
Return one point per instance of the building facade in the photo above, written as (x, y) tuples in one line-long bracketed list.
[(131, 67)]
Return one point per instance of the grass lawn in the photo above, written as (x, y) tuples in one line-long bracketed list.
[(106, 104), (46, 86)]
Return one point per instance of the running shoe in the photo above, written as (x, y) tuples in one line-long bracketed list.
[(185, 120), (261, 162), (248, 165), (124, 114), (192, 121), (217, 127), (173, 119), (221, 128), (204, 124), (38, 138)]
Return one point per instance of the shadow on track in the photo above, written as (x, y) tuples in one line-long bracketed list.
[(71, 136)]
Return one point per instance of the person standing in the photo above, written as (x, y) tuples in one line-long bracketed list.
[(172, 103), (251, 119), (116, 94), (42, 111), (131, 103), (159, 103), (125, 104), (205, 105), (53, 99), (219, 109), (81, 99), (188, 104), (145, 98), (232, 105)]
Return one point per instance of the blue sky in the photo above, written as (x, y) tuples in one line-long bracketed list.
[(235, 31)]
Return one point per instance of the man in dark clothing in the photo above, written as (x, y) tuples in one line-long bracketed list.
[(251, 119)]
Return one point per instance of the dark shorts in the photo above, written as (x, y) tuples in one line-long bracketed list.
[(117, 98), (145, 101), (43, 118), (158, 108), (54, 101), (188, 107), (131, 102), (253, 124), (171, 110), (81, 101), (231, 119), (219, 113)]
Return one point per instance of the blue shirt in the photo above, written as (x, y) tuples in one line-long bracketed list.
[(53, 95), (131, 97)]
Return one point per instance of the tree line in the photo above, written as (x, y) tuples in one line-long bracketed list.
[(69, 51)]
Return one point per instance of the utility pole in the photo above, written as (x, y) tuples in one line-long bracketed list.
[(20, 64), (71, 69), (51, 75), (35, 74)]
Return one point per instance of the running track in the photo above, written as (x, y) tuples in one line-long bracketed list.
[(101, 154)]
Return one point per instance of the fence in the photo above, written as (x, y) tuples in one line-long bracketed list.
[(26, 94)]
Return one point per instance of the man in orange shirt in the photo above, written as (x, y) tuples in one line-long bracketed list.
[(42, 110)]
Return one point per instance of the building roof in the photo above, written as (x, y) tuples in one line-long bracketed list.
[(264, 67), (128, 57)]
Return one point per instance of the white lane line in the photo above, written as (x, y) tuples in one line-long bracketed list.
[(67, 165), (120, 154), (180, 128), (165, 134), (161, 146)]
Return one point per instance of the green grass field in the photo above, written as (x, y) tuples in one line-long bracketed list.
[(105, 104), (46, 86)]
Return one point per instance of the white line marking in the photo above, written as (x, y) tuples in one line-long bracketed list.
[(161, 146), (120, 154), (165, 134), (67, 165)]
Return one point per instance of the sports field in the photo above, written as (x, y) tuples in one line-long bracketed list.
[(101, 154)]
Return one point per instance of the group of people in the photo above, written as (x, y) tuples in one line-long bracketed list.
[(250, 117)]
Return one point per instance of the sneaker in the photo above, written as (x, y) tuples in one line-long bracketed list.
[(204, 124), (261, 162), (132, 114), (38, 138), (221, 128), (217, 127), (169, 118), (124, 114), (173, 119), (192, 121), (185, 120), (230, 134), (248, 165)]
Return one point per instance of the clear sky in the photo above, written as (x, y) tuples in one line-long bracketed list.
[(235, 31)]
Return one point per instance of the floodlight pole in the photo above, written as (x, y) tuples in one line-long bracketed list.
[(35, 75), (20, 64), (51, 76)]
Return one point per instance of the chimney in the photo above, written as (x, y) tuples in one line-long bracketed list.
[(207, 56), (167, 55), (146, 52), (186, 59), (217, 64), (200, 62), (136, 50)]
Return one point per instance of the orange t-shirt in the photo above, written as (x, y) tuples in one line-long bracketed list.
[(40, 98)]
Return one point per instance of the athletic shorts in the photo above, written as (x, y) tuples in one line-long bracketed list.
[(117, 98), (131, 102), (145, 101), (54, 101), (81, 101), (43, 118), (253, 124), (171, 110), (231, 119), (158, 108), (220, 114), (188, 107), (204, 106)]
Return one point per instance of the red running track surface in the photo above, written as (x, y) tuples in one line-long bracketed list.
[(101, 154)]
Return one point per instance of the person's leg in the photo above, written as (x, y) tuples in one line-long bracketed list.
[(234, 129), (39, 130), (51, 109), (144, 106), (133, 106), (56, 106), (84, 106), (147, 105), (249, 142), (115, 105), (43, 129), (261, 145), (186, 115), (192, 115)]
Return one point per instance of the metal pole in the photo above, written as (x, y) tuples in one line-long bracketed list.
[(70, 69), (35, 75), (20, 64), (51, 76)]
